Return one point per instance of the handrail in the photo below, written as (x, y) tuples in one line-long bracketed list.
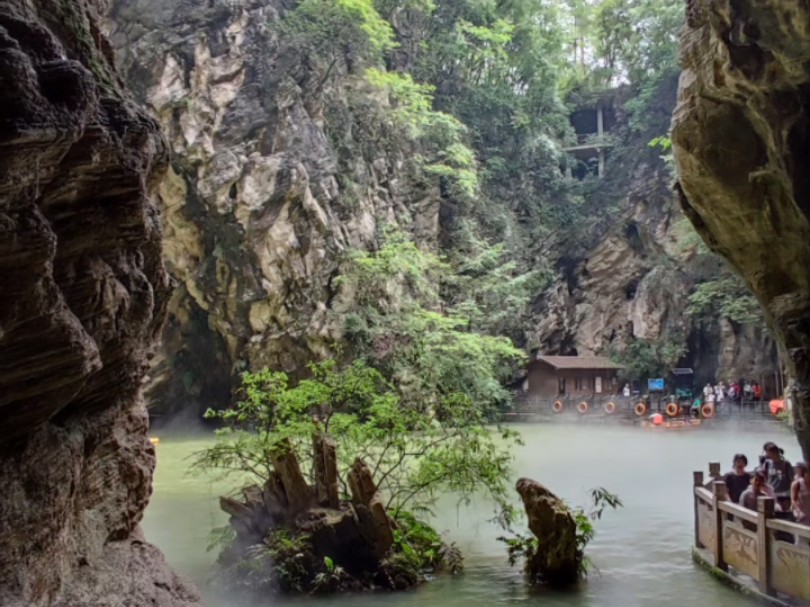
[(738, 511), (788, 527), (782, 571), (704, 495)]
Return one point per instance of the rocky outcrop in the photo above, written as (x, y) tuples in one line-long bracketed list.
[(84, 296), (742, 138), (355, 535), (634, 281), (276, 174), (557, 560)]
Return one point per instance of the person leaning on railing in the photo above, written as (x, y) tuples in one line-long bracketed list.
[(758, 488)]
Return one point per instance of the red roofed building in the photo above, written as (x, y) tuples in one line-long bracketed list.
[(551, 376)]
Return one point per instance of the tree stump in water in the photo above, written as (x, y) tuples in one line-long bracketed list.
[(356, 536), (558, 559)]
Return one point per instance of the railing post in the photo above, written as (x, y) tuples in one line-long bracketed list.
[(697, 481), (714, 471), (765, 509), (720, 495)]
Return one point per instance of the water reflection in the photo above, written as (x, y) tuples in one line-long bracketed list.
[(642, 551)]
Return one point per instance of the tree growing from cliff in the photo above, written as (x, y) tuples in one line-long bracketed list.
[(338, 33), (399, 321)]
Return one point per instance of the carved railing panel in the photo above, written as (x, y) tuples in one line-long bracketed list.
[(790, 568), (740, 548)]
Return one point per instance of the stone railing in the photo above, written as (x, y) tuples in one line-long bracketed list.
[(773, 553)]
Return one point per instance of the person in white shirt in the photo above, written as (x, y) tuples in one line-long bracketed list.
[(759, 488)]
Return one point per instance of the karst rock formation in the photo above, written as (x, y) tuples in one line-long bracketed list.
[(742, 143), (262, 199), (275, 177), (84, 294)]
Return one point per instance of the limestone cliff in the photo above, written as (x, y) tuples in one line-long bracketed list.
[(633, 279), (276, 173), (273, 179), (84, 296), (742, 135)]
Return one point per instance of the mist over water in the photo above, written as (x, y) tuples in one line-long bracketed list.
[(642, 551)]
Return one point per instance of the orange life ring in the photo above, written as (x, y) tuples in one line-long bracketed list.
[(707, 410), (640, 409), (557, 407), (582, 407), (672, 409), (610, 408)]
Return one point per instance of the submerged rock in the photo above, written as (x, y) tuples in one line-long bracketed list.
[(741, 137), (557, 561), (84, 294)]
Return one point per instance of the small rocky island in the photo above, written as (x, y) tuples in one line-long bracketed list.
[(314, 540)]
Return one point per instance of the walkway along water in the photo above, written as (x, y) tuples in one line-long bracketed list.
[(752, 550)]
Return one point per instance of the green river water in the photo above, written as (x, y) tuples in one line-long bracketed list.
[(642, 551)]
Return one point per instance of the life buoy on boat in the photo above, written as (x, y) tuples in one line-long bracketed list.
[(672, 409), (707, 410), (582, 408), (640, 409), (610, 408), (557, 407)]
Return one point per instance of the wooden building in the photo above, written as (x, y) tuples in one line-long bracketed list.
[(551, 376)]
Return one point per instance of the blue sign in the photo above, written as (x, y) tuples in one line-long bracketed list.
[(655, 385)]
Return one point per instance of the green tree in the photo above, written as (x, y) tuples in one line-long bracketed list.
[(399, 322), (413, 453), (728, 298), (333, 33), (643, 358)]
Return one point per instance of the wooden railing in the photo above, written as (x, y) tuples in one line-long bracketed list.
[(774, 553)]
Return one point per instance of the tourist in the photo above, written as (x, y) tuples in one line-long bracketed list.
[(757, 391), (710, 397), (778, 473), (739, 479), (719, 393), (626, 391), (748, 391), (707, 389), (733, 391), (800, 494), (696, 405), (758, 488)]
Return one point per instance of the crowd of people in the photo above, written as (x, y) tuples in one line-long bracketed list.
[(774, 477), (736, 391)]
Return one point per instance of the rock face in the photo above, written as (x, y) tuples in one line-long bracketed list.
[(84, 296), (272, 181), (558, 559), (275, 176), (633, 283), (742, 139)]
